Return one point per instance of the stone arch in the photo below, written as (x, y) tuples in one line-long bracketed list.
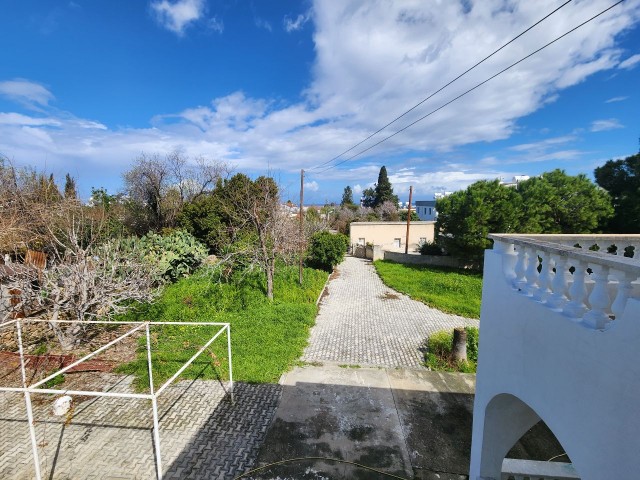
[(506, 419)]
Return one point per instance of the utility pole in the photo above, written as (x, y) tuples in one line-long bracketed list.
[(406, 244), (301, 224)]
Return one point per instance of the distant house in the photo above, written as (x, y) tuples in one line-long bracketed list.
[(391, 236), (426, 210)]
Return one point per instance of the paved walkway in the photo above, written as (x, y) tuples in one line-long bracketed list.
[(202, 434), (364, 322)]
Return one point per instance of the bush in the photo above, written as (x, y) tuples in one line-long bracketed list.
[(430, 248), (326, 250), (174, 255), (438, 355)]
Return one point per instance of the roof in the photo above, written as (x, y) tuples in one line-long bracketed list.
[(425, 203)]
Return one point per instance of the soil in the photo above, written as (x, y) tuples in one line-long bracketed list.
[(44, 356)]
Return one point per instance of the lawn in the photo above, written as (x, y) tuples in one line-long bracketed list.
[(449, 290), (267, 338)]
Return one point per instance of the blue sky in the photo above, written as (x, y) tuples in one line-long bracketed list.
[(275, 86)]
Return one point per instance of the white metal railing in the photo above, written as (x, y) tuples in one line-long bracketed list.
[(533, 470), (152, 395), (591, 287)]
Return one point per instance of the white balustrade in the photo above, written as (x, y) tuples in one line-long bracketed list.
[(576, 307), (532, 272), (566, 272), (624, 291), (558, 296), (544, 279), (520, 269)]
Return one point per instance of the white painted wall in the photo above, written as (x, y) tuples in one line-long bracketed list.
[(536, 362)]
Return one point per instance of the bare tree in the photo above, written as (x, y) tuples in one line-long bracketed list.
[(82, 284), (160, 186)]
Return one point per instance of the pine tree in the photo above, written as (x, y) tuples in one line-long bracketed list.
[(347, 197), (70, 191), (384, 190)]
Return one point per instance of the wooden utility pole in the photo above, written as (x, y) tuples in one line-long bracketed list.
[(301, 224), (406, 244)]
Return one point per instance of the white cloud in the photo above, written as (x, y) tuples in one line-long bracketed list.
[(606, 124), (262, 23), (357, 189), (312, 186), (28, 93), (616, 99), (630, 62), (294, 24), (216, 24), (373, 60), (178, 15)]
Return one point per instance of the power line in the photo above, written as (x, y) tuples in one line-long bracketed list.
[(443, 87), (472, 89)]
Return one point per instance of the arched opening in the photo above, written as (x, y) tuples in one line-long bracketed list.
[(513, 430)]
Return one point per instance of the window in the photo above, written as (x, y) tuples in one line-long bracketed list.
[(396, 242), (361, 241), (423, 240), (429, 210)]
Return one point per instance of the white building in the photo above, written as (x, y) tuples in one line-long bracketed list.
[(561, 345)]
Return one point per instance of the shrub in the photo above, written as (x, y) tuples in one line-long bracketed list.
[(326, 250), (174, 255), (438, 355), (430, 248)]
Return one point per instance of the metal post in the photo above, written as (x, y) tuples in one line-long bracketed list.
[(154, 407), (27, 401), (229, 357)]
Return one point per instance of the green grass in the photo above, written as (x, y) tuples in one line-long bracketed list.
[(267, 337), (438, 354), (449, 290)]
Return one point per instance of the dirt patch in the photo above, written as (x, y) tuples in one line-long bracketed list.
[(43, 355), (389, 296)]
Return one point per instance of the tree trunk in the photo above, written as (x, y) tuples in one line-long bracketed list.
[(270, 273), (459, 347)]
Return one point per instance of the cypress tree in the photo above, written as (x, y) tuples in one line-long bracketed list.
[(384, 190)]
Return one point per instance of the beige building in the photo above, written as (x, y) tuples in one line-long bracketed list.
[(391, 236)]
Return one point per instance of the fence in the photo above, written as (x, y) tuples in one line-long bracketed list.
[(152, 395)]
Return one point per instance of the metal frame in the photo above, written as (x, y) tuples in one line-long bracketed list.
[(152, 395)]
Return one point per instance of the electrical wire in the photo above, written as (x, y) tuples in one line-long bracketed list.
[(337, 460), (473, 88), (443, 87)]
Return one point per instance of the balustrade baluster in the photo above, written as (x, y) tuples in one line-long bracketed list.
[(623, 293), (599, 299), (509, 259), (576, 307), (520, 269), (559, 283), (544, 279), (532, 272)]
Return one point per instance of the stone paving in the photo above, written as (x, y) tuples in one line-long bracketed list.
[(202, 434), (363, 322)]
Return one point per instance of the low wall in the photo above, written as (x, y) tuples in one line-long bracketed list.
[(369, 252), (439, 261)]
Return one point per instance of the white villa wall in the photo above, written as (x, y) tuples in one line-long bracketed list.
[(383, 234), (536, 362)]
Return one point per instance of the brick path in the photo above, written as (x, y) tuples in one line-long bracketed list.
[(363, 322), (202, 434)]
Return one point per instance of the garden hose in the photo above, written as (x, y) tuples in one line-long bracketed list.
[(298, 459)]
